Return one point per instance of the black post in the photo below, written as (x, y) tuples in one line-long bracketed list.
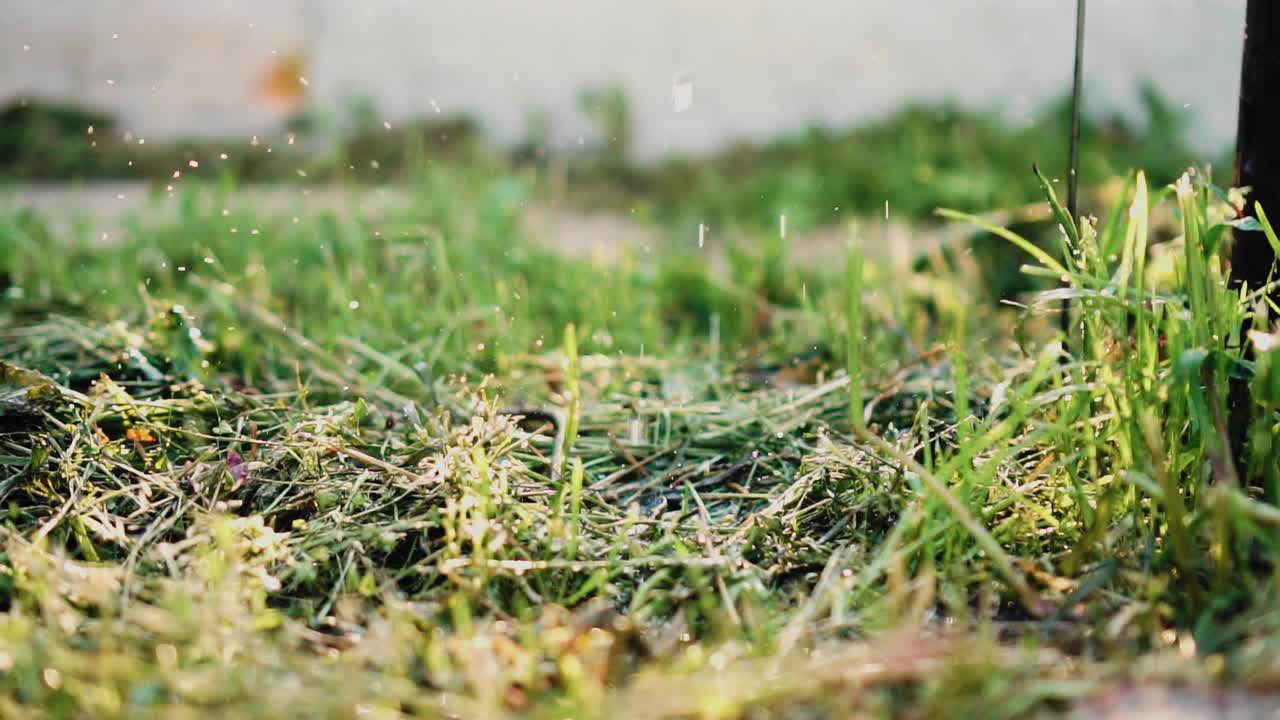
[(1257, 167), (1258, 137)]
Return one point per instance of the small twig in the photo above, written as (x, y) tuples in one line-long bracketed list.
[(521, 566), (705, 519), (365, 458)]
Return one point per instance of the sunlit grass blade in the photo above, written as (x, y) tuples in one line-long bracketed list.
[(1020, 242)]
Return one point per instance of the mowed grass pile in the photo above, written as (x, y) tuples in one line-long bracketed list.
[(261, 467)]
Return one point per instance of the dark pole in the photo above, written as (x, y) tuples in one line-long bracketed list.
[(1257, 167), (1073, 163), (1258, 138)]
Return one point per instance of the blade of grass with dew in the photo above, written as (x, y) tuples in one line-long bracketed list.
[(573, 396), (853, 317), (1267, 229)]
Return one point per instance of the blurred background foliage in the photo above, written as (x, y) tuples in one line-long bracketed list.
[(917, 158)]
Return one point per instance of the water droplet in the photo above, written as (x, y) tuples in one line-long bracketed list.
[(681, 91)]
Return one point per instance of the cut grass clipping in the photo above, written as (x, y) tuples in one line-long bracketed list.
[(292, 477)]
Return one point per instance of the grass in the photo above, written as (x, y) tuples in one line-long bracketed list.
[(419, 468)]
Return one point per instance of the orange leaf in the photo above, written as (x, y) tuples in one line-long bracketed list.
[(140, 434)]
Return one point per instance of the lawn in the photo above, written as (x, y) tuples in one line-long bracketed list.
[(261, 466)]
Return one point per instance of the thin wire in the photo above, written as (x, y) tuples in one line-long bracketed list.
[(1077, 82)]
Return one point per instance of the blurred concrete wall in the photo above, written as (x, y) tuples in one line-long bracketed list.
[(757, 66)]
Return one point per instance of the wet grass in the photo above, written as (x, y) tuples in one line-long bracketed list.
[(416, 467)]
